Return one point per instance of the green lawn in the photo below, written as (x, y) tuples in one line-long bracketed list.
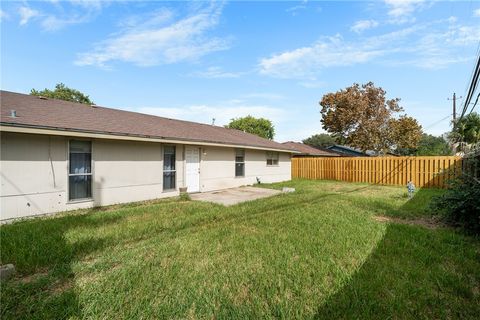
[(317, 253)]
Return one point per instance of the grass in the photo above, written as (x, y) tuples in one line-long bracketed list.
[(317, 253)]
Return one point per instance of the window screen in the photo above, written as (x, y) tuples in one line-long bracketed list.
[(169, 172), (80, 170), (239, 163), (272, 158)]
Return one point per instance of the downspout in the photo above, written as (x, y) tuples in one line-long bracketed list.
[(50, 159)]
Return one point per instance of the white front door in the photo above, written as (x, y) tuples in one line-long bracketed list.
[(192, 169)]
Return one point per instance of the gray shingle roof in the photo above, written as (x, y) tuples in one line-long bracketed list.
[(55, 114)]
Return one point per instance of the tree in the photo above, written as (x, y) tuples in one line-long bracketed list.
[(361, 116), (467, 129), (321, 140), (63, 92), (429, 145), (259, 126), (403, 133)]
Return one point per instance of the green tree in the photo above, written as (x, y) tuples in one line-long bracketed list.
[(429, 145), (321, 140), (361, 116), (467, 129), (63, 92), (258, 126)]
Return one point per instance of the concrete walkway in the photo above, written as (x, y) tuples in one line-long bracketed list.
[(233, 196)]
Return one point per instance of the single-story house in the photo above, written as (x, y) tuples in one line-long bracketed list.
[(304, 150), (347, 151), (58, 155)]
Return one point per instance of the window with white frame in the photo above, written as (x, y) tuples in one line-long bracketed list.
[(272, 158), (169, 170), (239, 163), (80, 170)]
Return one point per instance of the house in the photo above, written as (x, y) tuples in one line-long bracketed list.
[(58, 155), (304, 150), (346, 151)]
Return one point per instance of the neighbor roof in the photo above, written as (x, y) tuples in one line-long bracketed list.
[(349, 151), (307, 150), (43, 113)]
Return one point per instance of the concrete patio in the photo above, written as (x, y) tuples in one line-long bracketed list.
[(233, 196)]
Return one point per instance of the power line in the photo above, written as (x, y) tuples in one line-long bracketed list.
[(472, 87), (472, 75), (437, 122), (476, 101)]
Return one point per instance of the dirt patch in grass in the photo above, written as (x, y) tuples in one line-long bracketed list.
[(60, 287), (426, 222), (32, 277), (242, 295)]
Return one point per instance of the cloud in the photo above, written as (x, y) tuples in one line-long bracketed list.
[(402, 11), (476, 13), (363, 25), (3, 15), (154, 43), (62, 14), (89, 4), (294, 10), (431, 45), (53, 23), (222, 114), (399, 8), (436, 50), (216, 73), (26, 14), (327, 52)]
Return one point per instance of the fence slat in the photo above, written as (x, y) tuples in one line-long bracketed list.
[(423, 171)]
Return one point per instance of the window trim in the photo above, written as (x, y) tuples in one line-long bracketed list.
[(238, 162), (272, 159), (169, 171), (92, 169)]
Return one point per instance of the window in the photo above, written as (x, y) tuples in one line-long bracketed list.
[(272, 158), (239, 163), (80, 170), (169, 172)]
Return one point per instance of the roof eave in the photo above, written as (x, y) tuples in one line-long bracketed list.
[(34, 129)]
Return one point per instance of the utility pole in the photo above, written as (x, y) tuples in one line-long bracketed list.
[(454, 99)]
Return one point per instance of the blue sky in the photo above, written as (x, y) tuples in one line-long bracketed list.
[(204, 60)]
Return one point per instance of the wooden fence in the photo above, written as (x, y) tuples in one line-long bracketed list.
[(423, 171)]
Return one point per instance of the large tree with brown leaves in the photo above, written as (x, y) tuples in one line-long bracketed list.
[(362, 116)]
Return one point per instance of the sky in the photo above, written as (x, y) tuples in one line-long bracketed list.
[(203, 60)]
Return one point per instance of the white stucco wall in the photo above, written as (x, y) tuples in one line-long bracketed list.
[(32, 175), (34, 172), (126, 171), (217, 168), (34, 180)]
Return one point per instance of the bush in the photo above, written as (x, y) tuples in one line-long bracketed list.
[(184, 196), (460, 204)]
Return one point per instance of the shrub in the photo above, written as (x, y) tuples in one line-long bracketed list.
[(184, 196), (460, 204)]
